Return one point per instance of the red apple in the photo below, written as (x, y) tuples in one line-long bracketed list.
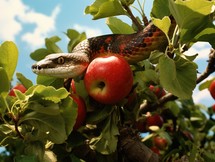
[(160, 142), (72, 85), (212, 89), (158, 91), (213, 108), (141, 125), (108, 79), (19, 87), (154, 120), (81, 111), (155, 150)]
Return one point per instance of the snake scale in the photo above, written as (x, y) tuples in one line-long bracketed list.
[(133, 47)]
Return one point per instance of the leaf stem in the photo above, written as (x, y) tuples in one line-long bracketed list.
[(134, 20)]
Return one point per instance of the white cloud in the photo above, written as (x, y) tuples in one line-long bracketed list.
[(200, 48), (203, 97), (91, 32), (15, 14)]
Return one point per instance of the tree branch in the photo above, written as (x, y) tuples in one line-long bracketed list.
[(133, 149), (210, 67)]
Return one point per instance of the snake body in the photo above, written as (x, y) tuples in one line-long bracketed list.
[(133, 47)]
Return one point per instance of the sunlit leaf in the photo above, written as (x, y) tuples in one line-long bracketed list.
[(163, 24), (8, 58), (205, 85), (105, 8), (117, 26), (5, 84), (51, 44), (192, 17), (46, 93), (75, 37)]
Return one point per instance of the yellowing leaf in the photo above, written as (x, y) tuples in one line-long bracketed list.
[(163, 24), (8, 58)]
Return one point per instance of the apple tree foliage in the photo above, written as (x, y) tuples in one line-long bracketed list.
[(38, 125)]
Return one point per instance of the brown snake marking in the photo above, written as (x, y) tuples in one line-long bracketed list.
[(133, 47)]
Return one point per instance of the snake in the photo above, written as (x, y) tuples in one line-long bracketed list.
[(133, 47)]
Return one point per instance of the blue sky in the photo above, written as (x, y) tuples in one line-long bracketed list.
[(27, 23)]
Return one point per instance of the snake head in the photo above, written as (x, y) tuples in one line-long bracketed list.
[(62, 65)]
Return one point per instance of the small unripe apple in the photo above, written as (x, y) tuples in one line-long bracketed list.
[(108, 79), (160, 142), (154, 120), (81, 111), (158, 91), (212, 89), (19, 87)]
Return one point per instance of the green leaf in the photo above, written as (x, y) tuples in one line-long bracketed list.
[(105, 8), (178, 76), (69, 112), (52, 127), (5, 84), (51, 44), (173, 107), (36, 148), (154, 56), (160, 9), (50, 109), (192, 17), (205, 85), (50, 81), (117, 26), (47, 93), (127, 2), (150, 75), (26, 158), (75, 38), (208, 156), (207, 35), (26, 82), (163, 24), (39, 54), (8, 58), (106, 143), (99, 114)]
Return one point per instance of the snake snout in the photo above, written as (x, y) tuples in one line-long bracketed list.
[(36, 67)]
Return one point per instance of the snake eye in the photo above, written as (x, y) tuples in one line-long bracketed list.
[(60, 60)]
